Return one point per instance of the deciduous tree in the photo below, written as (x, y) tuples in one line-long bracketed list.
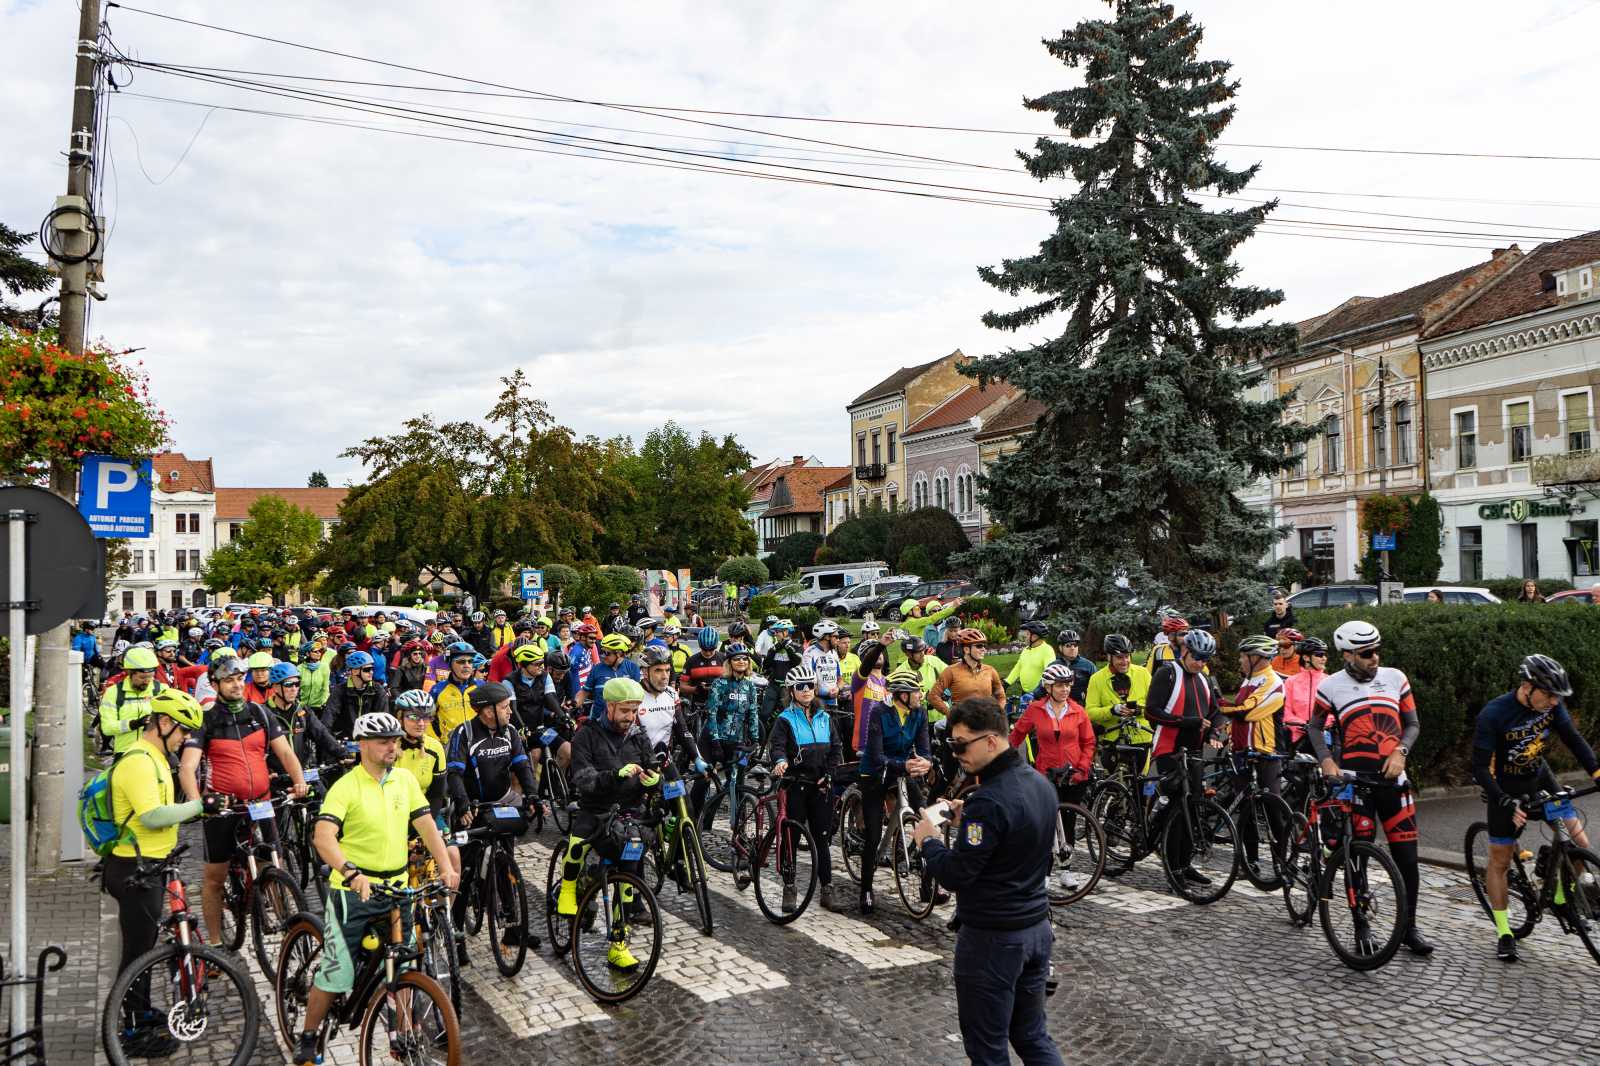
[(272, 554)]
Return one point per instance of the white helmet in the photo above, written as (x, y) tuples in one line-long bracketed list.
[(824, 628), (1356, 636), (1057, 672), (800, 675), (869, 626), (376, 724)]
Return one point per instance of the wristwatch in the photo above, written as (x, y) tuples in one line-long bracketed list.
[(1403, 750), (349, 870)]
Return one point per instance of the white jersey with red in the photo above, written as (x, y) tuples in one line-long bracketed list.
[(1366, 715)]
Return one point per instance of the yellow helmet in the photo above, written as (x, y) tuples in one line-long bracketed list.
[(261, 660), (528, 653), (179, 706), (616, 642)]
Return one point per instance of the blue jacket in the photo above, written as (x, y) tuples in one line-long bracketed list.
[(86, 643), (890, 742), (1082, 669), (597, 683)]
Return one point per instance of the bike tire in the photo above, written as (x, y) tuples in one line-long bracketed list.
[(559, 798), (1581, 912), (851, 833), (1272, 819), (297, 964), (377, 1015), (646, 900), (767, 870), (440, 953), (1092, 843), (695, 867), (506, 905), (716, 829), (1215, 844), (1113, 809), (276, 901), (1522, 899), (559, 928), (908, 870), (235, 918), (1303, 869), (1347, 883), (472, 892), (175, 966)]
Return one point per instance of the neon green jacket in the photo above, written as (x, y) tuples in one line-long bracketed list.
[(1030, 666), (915, 627), (118, 722), (1101, 698), (314, 683)]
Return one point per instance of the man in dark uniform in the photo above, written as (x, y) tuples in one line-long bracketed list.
[(997, 869)]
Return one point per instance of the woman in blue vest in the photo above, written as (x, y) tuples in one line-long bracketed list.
[(896, 746), (806, 749)]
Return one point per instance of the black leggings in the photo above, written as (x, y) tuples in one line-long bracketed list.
[(808, 803), (139, 909), (875, 788)]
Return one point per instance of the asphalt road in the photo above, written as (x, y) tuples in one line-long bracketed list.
[(1442, 823)]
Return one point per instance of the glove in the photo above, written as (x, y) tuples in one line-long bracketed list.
[(700, 766), (212, 802), (650, 780), (629, 770), (1508, 801)]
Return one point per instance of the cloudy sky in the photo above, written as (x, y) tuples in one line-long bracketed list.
[(297, 286)]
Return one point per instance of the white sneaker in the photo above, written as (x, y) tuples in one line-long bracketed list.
[(1070, 882)]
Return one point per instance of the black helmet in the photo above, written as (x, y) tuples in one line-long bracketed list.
[(557, 661), (656, 655), (912, 645), (488, 694), (1117, 644), (1312, 646), (1069, 636), (1037, 628), (1543, 672), (738, 631)]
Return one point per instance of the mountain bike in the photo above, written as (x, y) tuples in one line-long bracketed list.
[(435, 932), (554, 789), (912, 882), (676, 852), (1361, 899), (296, 819), (259, 895), (1260, 816), (1560, 867), (400, 1015), (492, 885), (729, 805), (182, 1000)]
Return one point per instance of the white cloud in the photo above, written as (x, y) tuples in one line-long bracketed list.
[(300, 286)]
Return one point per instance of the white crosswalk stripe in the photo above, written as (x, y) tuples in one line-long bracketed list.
[(543, 996)]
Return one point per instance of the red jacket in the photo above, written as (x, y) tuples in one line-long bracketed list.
[(1059, 741)]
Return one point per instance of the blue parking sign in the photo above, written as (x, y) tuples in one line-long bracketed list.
[(114, 496), (1383, 542), (532, 584)]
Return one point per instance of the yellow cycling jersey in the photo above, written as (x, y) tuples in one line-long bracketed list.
[(451, 706), (425, 761)]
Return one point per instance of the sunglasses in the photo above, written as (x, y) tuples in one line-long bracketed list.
[(1369, 653), (419, 716), (364, 669), (807, 686), (293, 682), (959, 747)]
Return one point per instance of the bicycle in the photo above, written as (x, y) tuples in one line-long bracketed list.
[(554, 788), (258, 894), (492, 885), (295, 823), (1079, 852), (1357, 872), (181, 993), (1259, 814), (605, 892), (728, 808), (1574, 902), (792, 852), (435, 932), (1186, 824), (384, 999), (677, 851), (912, 882)]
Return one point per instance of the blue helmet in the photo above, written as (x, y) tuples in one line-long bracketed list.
[(460, 648), (478, 661), (708, 639), (357, 660), (282, 672)]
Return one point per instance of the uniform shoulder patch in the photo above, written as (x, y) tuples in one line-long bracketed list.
[(974, 834)]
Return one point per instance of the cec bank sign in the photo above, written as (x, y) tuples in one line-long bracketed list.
[(1522, 510), (114, 496)]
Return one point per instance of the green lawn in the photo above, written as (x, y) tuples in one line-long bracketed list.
[(1002, 661)]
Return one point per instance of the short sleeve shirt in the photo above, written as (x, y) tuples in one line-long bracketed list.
[(142, 781), (373, 818)]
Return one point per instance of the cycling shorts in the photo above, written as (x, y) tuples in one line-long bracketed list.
[(344, 923), (1502, 830), (222, 835)]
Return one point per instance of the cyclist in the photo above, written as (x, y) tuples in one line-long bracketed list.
[(126, 704), (1068, 643), (806, 750), (1300, 691), (315, 675), (502, 630), (412, 672), (479, 635), (361, 833), (849, 661), (260, 666), (915, 618), (1183, 707), (702, 668), (1371, 712), (1256, 712), (1063, 737), (969, 675), (614, 662), (670, 632), (1034, 657), (824, 663), (613, 618), (235, 738), (1115, 699), (531, 687), (451, 695), (1508, 761), (422, 754), (143, 805), (313, 742), (920, 657), (658, 711), (356, 695), (870, 687), (1165, 648), (783, 656), (897, 745), (611, 766), (732, 719)]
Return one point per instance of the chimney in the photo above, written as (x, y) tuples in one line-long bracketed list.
[(799, 460)]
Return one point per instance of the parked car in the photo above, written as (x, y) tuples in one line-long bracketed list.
[(1335, 596), (804, 597), (855, 599), (1451, 593), (1582, 597), (889, 606)]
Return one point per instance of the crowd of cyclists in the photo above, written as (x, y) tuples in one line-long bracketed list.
[(418, 729)]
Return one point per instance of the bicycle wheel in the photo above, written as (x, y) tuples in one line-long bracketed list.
[(291, 858), (410, 1022), (785, 871), (1302, 872), (1075, 867), (277, 899), (695, 868), (297, 964), (559, 799), (559, 928), (235, 915), (1113, 809), (851, 834), (506, 903), (1270, 818), (601, 954), (716, 829), (1522, 899), (1207, 835), (472, 892), (910, 881), (1581, 911), (439, 952), (1362, 904), (182, 1005)]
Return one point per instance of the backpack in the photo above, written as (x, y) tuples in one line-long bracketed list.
[(95, 817)]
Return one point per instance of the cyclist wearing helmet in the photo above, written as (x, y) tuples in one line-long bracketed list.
[(1370, 710), (315, 674), (824, 662), (869, 688), (1286, 654), (485, 757), (659, 713), (361, 834), (355, 696), (849, 661), (1183, 707), (614, 662), (1165, 648), (763, 643), (783, 655), (423, 755), (144, 804), (897, 746), (1035, 656), (671, 633), (1068, 643), (1063, 737), (1508, 762), (613, 618), (732, 719), (702, 668), (806, 750), (502, 631), (312, 741), (532, 689), (451, 696), (412, 671), (1256, 712), (480, 636), (969, 676), (1115, 699), (916, 654), (915, 618), (1300, 691), (126, 704)]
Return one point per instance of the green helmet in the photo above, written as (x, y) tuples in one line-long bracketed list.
[(179, 706), (261, 660), (907, 605), (622, 690), (139, 659)]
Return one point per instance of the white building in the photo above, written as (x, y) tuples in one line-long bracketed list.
[(164, 567)]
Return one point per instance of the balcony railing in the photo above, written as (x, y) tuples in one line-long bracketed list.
[(870, 472)]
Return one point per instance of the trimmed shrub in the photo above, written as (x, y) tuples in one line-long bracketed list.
[(558, 576), (934, 529), (994, 610), (916, 560), (743, 570), (1459, 658), (761, 606), (1509, 588), (794, 551), (862, 538), (804, 618), (511, 605)]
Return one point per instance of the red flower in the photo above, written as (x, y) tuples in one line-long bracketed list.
[(78, 412), (105, 434)]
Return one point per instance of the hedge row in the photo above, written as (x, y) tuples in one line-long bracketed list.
[(1459, 658)]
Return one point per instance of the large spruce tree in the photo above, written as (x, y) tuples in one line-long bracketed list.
[(1129, 486)]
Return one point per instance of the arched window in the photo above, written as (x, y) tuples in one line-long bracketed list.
[(197, 598), (941, 489)]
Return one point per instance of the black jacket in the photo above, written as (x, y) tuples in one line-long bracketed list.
[(407, 677), (1002, 848), (813, 749), (313, 742), (481, 639), (598, 752), (346, 704), (1274, 623)]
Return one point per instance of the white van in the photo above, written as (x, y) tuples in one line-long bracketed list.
[(818, 582)]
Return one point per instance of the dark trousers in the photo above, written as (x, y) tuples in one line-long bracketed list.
[(1000, 975), (810, 803), (138, 914), (875, 788)]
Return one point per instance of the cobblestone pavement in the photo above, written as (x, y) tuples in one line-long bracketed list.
[(1145, 978)]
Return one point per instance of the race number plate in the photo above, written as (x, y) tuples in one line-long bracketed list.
[(633, 851), (672, 790), (507, 812), (1556, 810), (313, 775), (261, 811), (548, 736)]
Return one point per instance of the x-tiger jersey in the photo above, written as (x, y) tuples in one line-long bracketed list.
[(1366, 714)]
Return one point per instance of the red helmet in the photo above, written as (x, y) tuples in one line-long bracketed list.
[(969, 636), (1173, 624), (1292, 635)]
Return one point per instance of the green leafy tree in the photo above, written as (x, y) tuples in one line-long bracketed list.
[(933, 529), (1417, 560), (792, 552), (317, 480), (21, 276), (462, 502), (916, 560), (1133, 474), (272, 554), (744, 570), (864, 537)]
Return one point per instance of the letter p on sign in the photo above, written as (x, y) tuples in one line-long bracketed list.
[(114, 496), (113, 477)]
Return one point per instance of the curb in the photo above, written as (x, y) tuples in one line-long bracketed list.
[(1448, 792), (1449, 860)]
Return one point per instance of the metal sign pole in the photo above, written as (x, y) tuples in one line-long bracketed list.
[(18, 593)]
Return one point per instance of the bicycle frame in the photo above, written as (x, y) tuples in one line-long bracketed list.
[(379, 967)]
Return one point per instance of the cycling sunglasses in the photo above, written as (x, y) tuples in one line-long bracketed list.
[(805, 685), (1369, 653), (419, 716), (959, 747), (364, 669), (292, 682)]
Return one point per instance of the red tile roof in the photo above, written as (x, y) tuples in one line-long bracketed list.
[(1520, 290), (798, 490), (842, 483), (1019, 416), (899, 380), (1407, 304), (193, 475), (324, 503), (960, 406)]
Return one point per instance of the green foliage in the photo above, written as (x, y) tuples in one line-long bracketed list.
[(794, 551), (406, 599), (931, 528), (1416, 521), (1292, 571), (597, 586), (1509, 588), (511, 605), (317, 480), (743, 570), (1150, 427), (864, 538), (916, 560), (559, 576), (623, 579), (761, 606), (1459, 658), (997, 633), (992, 608), (273, 553), (804, 618), (826, 556), (19, 275)]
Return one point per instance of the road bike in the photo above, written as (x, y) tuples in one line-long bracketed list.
[(434, 931), (1260, 816), (492, 885), (676, 852), (729, 806), (783, 864), (258, 895), (182, 1001), (912, 881), (1168, 814), (399, 1015), (1566, 873), (1361, 899)]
